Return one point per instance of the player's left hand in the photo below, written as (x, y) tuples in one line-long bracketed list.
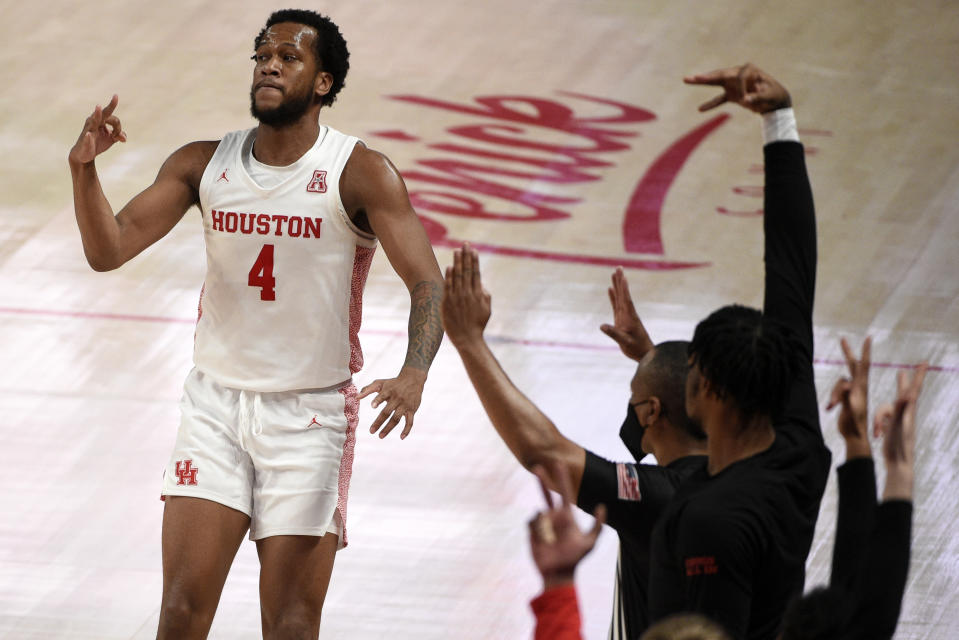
[(402, 396)]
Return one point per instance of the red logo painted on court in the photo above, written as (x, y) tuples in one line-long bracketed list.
[(185, 472), (521, 159), (317, 183)]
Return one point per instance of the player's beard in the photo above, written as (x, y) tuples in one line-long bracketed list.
[(285, 114)]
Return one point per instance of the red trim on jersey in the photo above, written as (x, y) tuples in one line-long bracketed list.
[(351, 407), (199, 311), (361, 268)]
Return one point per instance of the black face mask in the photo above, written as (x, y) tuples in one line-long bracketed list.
[(631, 433)]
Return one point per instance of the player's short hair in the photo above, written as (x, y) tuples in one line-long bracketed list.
[(329, 46), (822, 614), (665, 376), (685, 626), (746, 357)]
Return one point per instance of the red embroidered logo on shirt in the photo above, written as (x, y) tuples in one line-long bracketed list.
[(185, 472), (318, 183), (701, 566), (223, 176)]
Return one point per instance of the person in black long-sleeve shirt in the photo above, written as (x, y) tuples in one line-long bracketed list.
[(733, 541), (871, 551), (656, 422)]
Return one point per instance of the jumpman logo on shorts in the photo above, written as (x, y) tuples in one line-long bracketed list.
[(314, 422)]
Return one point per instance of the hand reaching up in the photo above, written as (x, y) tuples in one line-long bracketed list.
[(852, 394), (466, 304), (897, 424), (627, 329)]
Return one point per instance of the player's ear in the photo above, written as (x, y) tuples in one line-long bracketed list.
[(322, 83)]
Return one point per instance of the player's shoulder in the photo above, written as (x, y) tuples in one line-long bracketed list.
[(368, 162), (369, 177), (198, 152), (189, 161)]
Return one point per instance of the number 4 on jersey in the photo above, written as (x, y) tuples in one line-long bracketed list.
[(261, 275)]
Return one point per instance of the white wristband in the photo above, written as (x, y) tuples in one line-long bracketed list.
[(780, 125)]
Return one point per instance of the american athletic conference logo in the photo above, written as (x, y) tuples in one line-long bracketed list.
[(317, 182), (185, 472)]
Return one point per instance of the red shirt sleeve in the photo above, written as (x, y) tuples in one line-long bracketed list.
[(557, 614)]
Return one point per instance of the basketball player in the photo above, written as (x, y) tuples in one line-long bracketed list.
[(292, 211)]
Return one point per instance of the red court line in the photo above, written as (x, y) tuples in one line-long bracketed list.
[(548, 344)]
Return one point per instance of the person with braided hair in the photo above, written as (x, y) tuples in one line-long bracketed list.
[(732, 544)]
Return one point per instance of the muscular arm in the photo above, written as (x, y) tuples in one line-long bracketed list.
[(372, 187), (373, 191), (110, 241)]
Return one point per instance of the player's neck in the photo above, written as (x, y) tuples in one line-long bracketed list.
[(282, 146), (731, 439)]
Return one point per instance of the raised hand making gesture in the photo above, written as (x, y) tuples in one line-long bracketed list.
[(466, 304), (896, 422), (746, 85), (627, 329), (99, 133), (852, 394)]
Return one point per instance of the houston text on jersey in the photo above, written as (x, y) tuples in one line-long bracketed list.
[(265, 224)]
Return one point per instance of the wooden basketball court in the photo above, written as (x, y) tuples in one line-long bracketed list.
[(557, 137)]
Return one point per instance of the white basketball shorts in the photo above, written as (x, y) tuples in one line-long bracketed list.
[(284, 459)]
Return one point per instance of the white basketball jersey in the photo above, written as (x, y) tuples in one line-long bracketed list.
[(281, 303)]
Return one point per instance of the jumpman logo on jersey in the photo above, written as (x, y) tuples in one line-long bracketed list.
[(314, 422), (223, 176)]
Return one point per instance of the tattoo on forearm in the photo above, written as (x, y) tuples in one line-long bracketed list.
[(426, 325)]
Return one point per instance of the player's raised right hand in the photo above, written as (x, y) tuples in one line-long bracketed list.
[(99, 133)]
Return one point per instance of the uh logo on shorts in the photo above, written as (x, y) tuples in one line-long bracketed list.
[(185, 472)]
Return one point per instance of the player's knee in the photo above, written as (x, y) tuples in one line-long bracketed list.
[(180, 617), (293, 623)]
